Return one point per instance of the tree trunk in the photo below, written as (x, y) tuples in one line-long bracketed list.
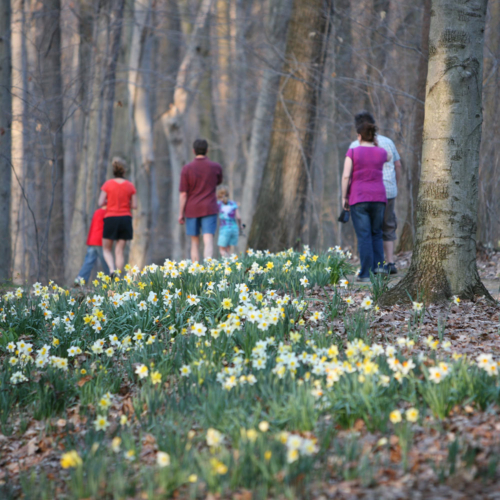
[(50, 163), (262, 124), (287, 175), (489, 174), (413, 171), (24, 231), (5, 138), (167, 60), (188, 80), (70, 63), (444, 259), (140, 107), (101, 49)]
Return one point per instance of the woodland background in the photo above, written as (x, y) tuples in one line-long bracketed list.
[(82, 81)]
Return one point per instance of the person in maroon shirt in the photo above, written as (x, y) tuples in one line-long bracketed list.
[(94, 247), (198, 207)]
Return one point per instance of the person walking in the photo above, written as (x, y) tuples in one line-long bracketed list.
[(94, 248), (198, 207), (363, 193), (119, 195), (391, 175), (230, 221)]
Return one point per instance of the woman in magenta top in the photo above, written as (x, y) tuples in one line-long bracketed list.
[(363, 194)]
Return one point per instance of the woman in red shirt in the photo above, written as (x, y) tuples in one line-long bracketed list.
[(119, 195)]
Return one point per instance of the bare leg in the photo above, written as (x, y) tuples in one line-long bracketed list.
[(389, 251), (195, 251), (208, 244), (119, 256), (107, 251)]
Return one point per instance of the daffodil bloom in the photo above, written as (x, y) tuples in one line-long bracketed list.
[(412, 415), (395, 416), (162, 459), (155, 378), (142, 371), (101, 423), (263, 426), (71, 459), (214, 437)]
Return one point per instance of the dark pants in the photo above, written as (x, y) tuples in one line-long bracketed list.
[(367, 219)]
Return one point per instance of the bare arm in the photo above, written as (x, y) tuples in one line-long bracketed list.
[(182, 205), (102, 198), (398, 168), (346, 175), (238, 218), (389, 156), (133, 201)]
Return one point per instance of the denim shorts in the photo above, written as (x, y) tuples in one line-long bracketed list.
[(207, 224), (228, 236)]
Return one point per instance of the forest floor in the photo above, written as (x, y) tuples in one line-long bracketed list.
[(456, 456)]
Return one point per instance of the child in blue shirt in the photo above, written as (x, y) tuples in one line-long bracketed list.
[(230, 221)]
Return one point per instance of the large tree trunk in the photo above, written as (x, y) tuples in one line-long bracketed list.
[(167, 60), (287, 175), (188, 80), (413, 170), (25, 264), (5, 138), (489, 167), (262, 124), (101, 50), (140, 107), (444, 259), (50, 162)]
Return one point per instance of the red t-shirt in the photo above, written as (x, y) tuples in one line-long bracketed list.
[(199, 179), (119, 197), (96, 227)]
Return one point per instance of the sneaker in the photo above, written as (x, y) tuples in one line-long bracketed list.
[(391, 268), (362, 280), (381, 270)]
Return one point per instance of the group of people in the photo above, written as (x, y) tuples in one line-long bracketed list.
[(204, 200), (372, 170), (370, 178)]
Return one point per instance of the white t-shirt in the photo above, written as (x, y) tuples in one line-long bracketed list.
[(389, 172)]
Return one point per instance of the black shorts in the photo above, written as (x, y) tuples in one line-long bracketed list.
[(118, 228)]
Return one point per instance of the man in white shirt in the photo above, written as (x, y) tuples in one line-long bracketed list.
[(391, 175)]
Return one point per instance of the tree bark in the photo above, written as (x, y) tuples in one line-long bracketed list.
[(5, 138), (287, 175), (48, 92), (25, 264), (140, 107), (489, 167), (101, 48), (72, 83), (262, 124), (444, 259), (167, 60), (413, 172), (188, 80)]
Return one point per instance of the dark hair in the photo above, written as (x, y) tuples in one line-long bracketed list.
[(119, 166), (363, 117), (200, 147), (367, 131)]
